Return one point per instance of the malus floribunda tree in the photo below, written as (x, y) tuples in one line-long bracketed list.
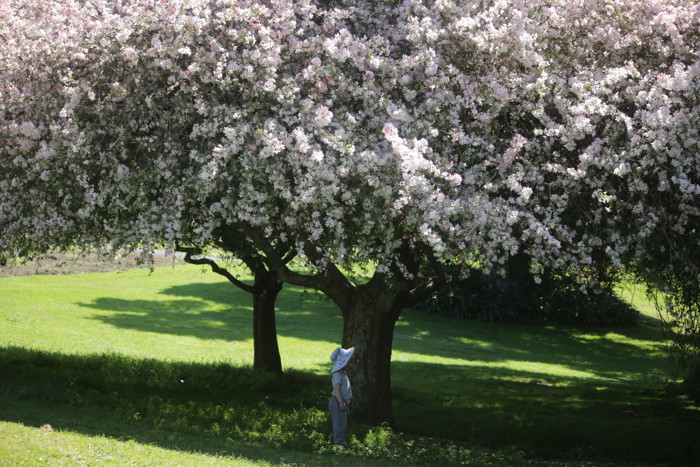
[(402, 135)]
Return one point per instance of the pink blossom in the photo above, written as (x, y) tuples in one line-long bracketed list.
[(481, 129)]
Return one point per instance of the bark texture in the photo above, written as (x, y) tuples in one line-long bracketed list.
[(369, 327), (266, 349)]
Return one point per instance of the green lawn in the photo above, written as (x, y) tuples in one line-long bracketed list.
[(512, 390), (24, 445), (173, 314)]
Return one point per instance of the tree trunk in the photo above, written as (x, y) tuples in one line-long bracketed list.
[(265, 288), (266, 349), (369, 327)]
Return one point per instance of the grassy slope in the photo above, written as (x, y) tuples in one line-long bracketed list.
[(544, 390)]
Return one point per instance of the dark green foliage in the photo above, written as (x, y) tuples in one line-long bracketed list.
[(691, 383), (488, 297), (680, 312), (568, 304), (382, 442)]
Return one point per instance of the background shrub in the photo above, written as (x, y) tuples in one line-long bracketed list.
[(489, 297)]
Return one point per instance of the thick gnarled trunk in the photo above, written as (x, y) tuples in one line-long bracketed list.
[(370, 313), (369, 327)]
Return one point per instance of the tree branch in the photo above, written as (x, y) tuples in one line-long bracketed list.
[(439, 276), (189, 251), (331, 281), (421, 292)]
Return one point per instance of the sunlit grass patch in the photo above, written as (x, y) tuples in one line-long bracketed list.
[(26, 445)]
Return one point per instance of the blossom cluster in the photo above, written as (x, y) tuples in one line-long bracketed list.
[(464, 130)]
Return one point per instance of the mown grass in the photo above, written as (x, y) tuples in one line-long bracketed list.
[(162, 359), (25, 445)]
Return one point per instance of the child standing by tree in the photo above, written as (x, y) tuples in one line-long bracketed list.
[(342, 394)]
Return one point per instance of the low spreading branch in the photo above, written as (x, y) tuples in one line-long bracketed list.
[(190, 252)]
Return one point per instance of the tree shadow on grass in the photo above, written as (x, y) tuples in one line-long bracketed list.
[(221, 311), (214, 409), (198, 312), (615, 354), (174, 317), (546, 415), (221, 409)]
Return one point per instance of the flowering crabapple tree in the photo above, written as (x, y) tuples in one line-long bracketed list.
[(265, 285), (403, 135)]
